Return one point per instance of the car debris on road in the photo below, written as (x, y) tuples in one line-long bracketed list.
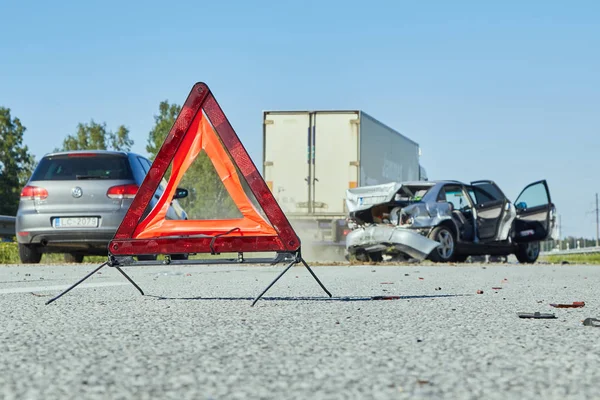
[(576, 304), (536, 315), (591, 322)]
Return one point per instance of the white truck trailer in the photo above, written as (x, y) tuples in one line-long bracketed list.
[(310, 158)]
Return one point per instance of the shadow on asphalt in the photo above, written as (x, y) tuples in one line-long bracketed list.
[(302, 298)]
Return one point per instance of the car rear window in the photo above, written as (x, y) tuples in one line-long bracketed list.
[(93, 167)]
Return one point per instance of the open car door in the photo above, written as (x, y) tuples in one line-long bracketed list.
[(491, 210), (535, 213)]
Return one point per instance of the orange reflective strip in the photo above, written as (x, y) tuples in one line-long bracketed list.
[(155, 225), (353, 184), (187, 151)]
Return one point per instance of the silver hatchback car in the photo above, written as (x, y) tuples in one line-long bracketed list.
[(75, 201)]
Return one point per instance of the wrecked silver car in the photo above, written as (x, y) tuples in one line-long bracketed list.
[(447, 221)]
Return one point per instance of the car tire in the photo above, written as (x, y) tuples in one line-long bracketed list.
[(446, 251), (73, 258), (376, 256), (361, 256), (29, 254), (528, 253)]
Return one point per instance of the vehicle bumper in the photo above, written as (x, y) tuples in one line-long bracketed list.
[(383, 237), (38, 229)]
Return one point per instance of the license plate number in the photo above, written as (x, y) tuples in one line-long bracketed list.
[(76, 222)]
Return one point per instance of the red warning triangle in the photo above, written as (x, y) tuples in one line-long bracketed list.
[(202, 126)]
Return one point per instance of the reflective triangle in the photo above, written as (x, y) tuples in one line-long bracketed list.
[(202, 126)]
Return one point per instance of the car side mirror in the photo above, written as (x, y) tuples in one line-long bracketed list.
[(180, 193), (521, 206)]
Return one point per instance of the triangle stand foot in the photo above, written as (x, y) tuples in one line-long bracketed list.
[(298, 259)]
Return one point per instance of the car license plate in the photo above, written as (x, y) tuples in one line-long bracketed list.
[(76, 222)]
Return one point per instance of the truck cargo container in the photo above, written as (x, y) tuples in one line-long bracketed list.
[(310, 158)]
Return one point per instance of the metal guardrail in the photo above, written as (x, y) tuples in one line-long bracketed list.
[(7, 226), (581, 250)]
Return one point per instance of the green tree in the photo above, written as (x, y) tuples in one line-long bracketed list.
[(162, 125), (95, 136), (208, 198), (16, 163)]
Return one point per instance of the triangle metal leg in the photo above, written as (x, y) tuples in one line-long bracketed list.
[(297, 260), (275, 280), (89, 275), (315, 276), (129, 279), (76, 284)]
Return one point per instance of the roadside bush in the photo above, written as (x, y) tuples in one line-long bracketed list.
[(592, 258), (9, 253)]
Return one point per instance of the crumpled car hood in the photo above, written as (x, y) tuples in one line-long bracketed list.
[(379, 237), (362, 198)]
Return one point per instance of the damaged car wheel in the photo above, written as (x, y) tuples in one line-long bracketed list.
[(445, 251), (528, 253), (364, 256), (361, 256), (376, 256)]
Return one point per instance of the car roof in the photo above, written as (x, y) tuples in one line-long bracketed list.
[(111, 152), (433, 183), (451, 182)]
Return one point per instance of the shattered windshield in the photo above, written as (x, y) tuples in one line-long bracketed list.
[(412, 193)]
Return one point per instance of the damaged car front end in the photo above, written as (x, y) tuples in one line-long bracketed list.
[(396, 220), (448, 221)]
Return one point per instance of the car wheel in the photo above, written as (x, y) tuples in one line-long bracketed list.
[(29, 254), (361, 256), (445, 251), (376, 256), (528, 253), (74, 258)]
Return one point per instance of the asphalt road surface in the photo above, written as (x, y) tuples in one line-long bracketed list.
[(195, 336)]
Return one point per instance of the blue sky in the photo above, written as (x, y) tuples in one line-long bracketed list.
[(508, 91)]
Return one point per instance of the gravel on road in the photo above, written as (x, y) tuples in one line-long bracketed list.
[(195, 336)]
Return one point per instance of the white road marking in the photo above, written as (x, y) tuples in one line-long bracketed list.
[(62, 287)]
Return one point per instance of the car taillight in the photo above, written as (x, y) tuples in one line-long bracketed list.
[(34, 193), (122, 192)]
